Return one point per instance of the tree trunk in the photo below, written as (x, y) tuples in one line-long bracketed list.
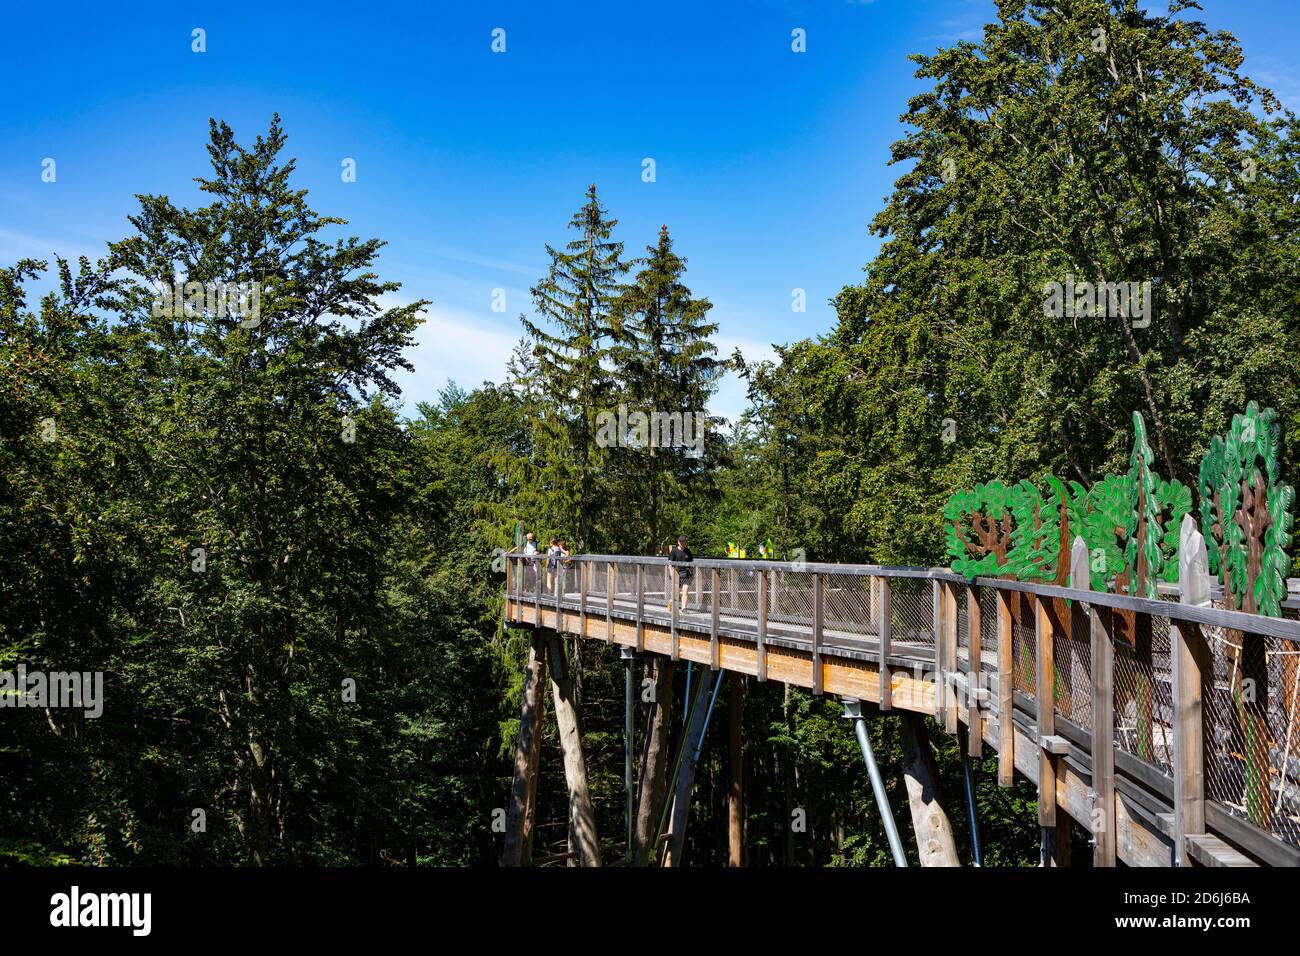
[(517, 847), (686, 772), (582, 819), (736, 768), (924, 796), (654, 770)]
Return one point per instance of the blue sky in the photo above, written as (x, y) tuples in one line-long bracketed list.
[(769, 164)]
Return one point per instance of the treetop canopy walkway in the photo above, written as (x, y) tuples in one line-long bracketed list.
[(1162, 715)]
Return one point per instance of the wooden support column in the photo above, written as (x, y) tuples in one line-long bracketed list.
[(686, 771), (735, 770), (934, 839), (818, 625), (653, 785), (1192, 669), (517, 847), (974, 690), (1006, 690), (762, 626), (584, 574), (582, 818), (885, 631)]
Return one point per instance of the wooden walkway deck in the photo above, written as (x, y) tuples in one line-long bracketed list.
[(928, 669)]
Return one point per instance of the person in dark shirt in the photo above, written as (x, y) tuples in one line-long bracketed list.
[(680, 552)]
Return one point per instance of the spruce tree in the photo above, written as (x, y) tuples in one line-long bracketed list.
[(571, 345), (667, 365)]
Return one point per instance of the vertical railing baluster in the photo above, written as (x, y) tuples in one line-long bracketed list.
[(1193, 667), (974, 739), (640, 607), (584, 568), (1045, 727), (885, 632), (672, 611), (714, 662), (818, 622), (940, 632), (1006, 693), (611, 586), (762, 626)]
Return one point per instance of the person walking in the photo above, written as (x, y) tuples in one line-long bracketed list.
[(530, 551), (682, 553)]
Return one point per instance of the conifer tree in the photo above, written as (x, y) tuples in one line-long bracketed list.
[(571, 345), (667, 366)]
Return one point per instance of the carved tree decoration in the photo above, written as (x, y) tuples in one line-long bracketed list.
[(1152, 553), (978, 525), (1246, 521), (1246, 513)]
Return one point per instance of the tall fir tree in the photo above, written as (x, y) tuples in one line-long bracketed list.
[(572, 344), (667, 366)]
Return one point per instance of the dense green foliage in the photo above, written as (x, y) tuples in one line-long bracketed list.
[(292, 590)]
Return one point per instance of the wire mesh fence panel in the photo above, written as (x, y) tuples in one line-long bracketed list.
[(790, 599), (988, 628), (1252, 743), (1143, 703), (847, 604), (913, 615), (1072, 652), (1024, 655)]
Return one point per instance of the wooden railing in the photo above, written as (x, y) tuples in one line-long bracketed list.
[(1185, 710)]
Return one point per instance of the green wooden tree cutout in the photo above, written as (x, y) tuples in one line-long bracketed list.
[(1246, 512), (978, 526)]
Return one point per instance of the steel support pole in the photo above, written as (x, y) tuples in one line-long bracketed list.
[(853, 711), (970, 800)]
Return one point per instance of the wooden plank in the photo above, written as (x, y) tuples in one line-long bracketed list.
[(715, 616), (1055, 744), (1192, 667), (818, 623), (1103, 823), (761, 581), (974, 688), (1209, 850), (885, 630), (1006, 689)]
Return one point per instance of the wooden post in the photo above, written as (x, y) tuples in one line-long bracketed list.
[(640, 608), (974, 692), (696, 725), (653, 786), (510, 580), (672, 612), (762, 627), (584, 570), (1006, 691), (885, 631), (1192, 665), (818, 624), (517, 847), (937, 619), (1103, 712), (934, 840), (582, 818), (736, 771), (950, 658), (610, 587), (1046, 727), (714, 662)]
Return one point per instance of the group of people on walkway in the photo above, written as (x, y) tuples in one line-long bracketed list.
[(558, 553)]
